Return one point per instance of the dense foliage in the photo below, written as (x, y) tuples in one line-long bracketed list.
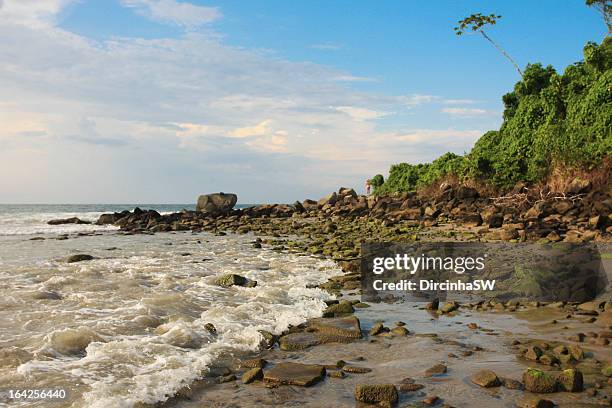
[(549, 120)]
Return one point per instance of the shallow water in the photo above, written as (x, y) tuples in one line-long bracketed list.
[(128, 326)]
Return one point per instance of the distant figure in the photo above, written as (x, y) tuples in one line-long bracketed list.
[(368, 186)]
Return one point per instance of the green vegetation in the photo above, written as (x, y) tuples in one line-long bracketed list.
[(550, 121)]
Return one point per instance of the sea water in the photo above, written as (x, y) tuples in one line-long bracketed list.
[(128, 326)]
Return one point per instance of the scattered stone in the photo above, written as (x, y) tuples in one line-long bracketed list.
[(433, 305), (472, 326), (303, 375), (377, 329), (531, 401), (211, 328), (254, 363), (400, 331), (538, 381), (231, 279), (298, 341), (437, 369), (571, 380), (227, 378), (72, 220), (336, 330), (342, 308), (336, 373), (511, 384), (79, 258), (252, 375), (431, 400), (376, 393), (449, 307), (355, 369), (486, 378), (533, 353), (412, 387)]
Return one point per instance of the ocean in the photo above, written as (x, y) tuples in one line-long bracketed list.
[(128, 326)]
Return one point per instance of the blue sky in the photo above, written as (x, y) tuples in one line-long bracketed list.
[(161, 100)]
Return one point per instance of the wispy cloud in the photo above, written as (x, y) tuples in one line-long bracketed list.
[(174, 12), (32, 13), (326, 46), (353, 78), (361, 114), (467, 112), (458, 101)]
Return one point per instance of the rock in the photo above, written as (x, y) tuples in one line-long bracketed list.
[(105, 219), (211, 328), (231, 279), (433, 305), (412, 387), (571, 380), (531, 401), (344, 307), (496, 220), (464, 192), (533, 353), (578, 186), (337, 330), (269, 339), (355, 369), (79, 258), (330, 199), (437, 369), (430, 400), (449, 307), (254, 363), (227, 378), (377, 329), (336, 373), (252, 375), (298, 341), (217, 203), (303, 375), (508, 234), (486, 378), (73, 220), (400, 331), (376, 393), (344, 191), (538, 381), (512, 384)]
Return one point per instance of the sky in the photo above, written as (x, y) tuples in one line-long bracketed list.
[(135, 101)]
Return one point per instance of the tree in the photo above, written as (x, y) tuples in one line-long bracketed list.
[(605, 8), (477, 23)]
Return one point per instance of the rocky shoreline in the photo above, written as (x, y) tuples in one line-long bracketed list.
[(573, 366)]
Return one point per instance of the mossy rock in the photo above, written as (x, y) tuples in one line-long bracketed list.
[(538, 381), (571, 380)]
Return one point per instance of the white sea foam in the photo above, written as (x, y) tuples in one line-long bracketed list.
[(129, 326)]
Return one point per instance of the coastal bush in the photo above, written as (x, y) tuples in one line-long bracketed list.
[(549, 121)]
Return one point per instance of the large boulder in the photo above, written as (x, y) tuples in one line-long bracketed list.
[(217, 203)]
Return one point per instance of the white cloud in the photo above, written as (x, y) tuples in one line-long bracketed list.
[(467, 112), (175, 12), (260, 129), (32, 13), (458, 101), (361, 114), (166, 119)]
